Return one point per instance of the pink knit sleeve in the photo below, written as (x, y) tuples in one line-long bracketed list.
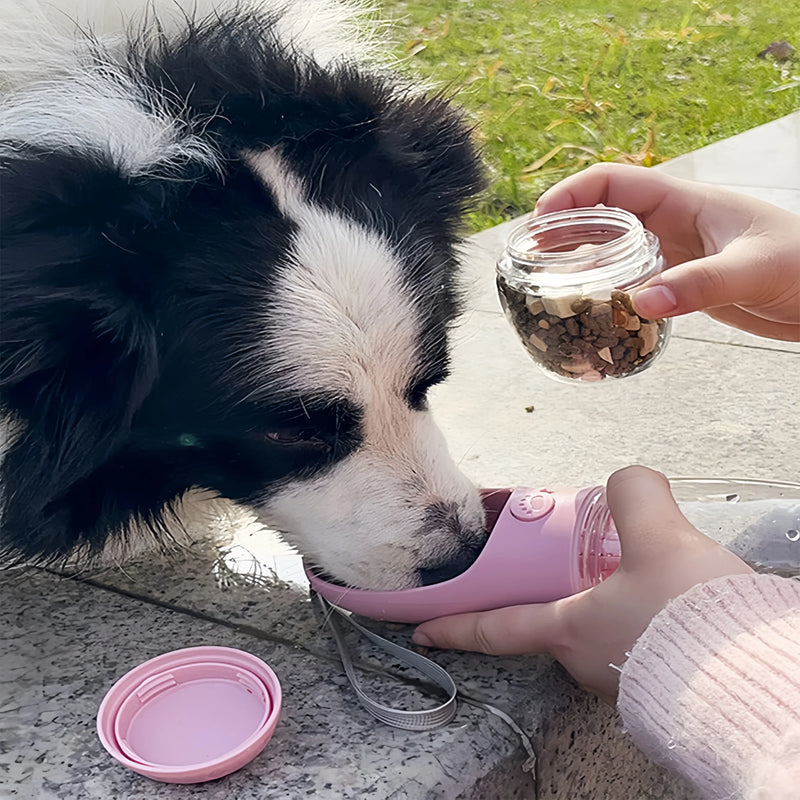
[(712, 688)]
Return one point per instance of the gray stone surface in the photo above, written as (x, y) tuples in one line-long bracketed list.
[(718, 403), (66, 642), (764, 159)]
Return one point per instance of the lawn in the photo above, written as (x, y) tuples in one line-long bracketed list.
[(554, 86)]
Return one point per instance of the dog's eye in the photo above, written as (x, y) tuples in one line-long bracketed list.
[(295, 436)]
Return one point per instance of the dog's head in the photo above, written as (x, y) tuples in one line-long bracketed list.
[(229, 265)]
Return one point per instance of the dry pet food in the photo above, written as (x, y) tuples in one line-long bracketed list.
[(581, 337)]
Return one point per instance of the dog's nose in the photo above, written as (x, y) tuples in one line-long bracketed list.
[(463, 560), (470, 538)]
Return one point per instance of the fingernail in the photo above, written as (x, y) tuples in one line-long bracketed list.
[(655, 301), (421, 639)]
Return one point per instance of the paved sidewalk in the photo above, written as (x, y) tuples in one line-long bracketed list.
[(718, 403)]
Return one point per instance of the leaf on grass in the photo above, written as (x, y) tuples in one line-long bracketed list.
[(589, 106), (594, 135), (615, 34), (514, 108), (645, 156), (780, 51), (792, 83), (550, 84), (685, 34), (540, 162), (554, 170), (717, 18), (492, 71)]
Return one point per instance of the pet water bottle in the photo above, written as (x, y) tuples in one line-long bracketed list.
[(545, 544)]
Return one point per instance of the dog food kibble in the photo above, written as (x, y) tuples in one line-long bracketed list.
[(565, 280), (588, 338)]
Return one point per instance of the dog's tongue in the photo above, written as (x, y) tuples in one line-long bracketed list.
[(494, 501)]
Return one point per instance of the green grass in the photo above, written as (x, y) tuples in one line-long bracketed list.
[(554, 86)]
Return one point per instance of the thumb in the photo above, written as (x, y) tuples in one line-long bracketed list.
[(503, 631), (647, 518), (722, 279)]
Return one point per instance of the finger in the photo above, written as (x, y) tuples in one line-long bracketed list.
[(645, 514), (727, 278), (504, 631), (637, 189)]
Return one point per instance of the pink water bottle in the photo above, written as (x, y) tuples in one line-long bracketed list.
[(545, 544)]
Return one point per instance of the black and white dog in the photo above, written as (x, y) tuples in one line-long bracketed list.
[(229, 261)]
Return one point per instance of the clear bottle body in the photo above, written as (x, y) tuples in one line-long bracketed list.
[(757, 520), (564, 282)]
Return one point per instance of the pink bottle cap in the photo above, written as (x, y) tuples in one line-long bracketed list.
[(191, 715)]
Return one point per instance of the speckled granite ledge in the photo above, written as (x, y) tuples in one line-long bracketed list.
[(66, 641)]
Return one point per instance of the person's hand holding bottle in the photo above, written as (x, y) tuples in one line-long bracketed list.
[(663, 555), (709, 681), (734, 257)]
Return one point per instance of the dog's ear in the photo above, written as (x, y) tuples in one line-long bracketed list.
[(437, 144), (79, 342)]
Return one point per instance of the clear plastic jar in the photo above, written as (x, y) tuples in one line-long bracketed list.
[(564, 281)]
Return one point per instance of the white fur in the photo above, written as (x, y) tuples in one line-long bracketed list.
[(57, 95), (365, 524), (343, 323), (36, 36), (104, 116)]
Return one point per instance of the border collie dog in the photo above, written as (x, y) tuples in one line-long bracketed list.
[(229, 263)]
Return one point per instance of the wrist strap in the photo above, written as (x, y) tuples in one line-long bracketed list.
[(420, 720)]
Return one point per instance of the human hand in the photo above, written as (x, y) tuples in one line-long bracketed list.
[(662, 557), (734, 257)]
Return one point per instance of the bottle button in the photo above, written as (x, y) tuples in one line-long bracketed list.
[(532, 506)]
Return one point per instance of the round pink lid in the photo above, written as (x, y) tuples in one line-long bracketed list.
[(191, 715)]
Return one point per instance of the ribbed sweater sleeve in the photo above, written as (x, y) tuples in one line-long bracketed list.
[(711, 689)]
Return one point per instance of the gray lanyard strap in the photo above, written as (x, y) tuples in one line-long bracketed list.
[(422, 720)]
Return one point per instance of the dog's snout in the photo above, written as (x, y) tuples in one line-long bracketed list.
[(442, 517), (467, 539), (452, 568)]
